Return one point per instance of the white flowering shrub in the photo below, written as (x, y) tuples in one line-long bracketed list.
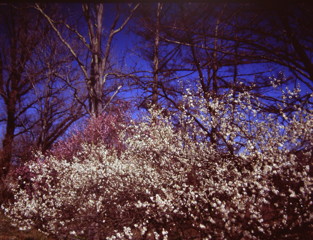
[(171, 181)]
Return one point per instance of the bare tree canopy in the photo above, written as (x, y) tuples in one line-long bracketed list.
[(203, 67), (95, 63)]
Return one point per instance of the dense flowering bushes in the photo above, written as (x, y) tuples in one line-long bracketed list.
[(170, 182)]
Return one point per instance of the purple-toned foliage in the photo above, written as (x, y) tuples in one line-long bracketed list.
[(103, 129)]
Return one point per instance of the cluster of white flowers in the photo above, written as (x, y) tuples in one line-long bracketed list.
[(170, 182)]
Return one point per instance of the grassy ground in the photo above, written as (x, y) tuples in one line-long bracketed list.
[(8, 232)]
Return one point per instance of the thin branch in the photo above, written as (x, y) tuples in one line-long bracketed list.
[(127, 19), (117, 90), (111, 35), (81, 37), (51, 22)]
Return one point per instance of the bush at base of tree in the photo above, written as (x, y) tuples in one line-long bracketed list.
[(169, 182)]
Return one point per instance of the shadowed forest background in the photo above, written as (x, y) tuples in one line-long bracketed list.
[(213, 89)]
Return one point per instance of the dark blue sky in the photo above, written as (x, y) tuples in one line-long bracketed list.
[(126, 46)]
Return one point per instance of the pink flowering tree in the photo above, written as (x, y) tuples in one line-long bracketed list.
[(169, 182), (103, 129)]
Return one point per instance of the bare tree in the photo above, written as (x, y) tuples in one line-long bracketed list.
[(36, 104), (20, 36), (56, 107), (281, 36), (239, 47), (213, 52), (95, 63), (161, 59)]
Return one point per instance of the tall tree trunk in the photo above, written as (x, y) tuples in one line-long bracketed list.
[(155, 85), (7, 151), (215, 58), (98, 46), (98, 65), (10, 100), (9, 134)]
